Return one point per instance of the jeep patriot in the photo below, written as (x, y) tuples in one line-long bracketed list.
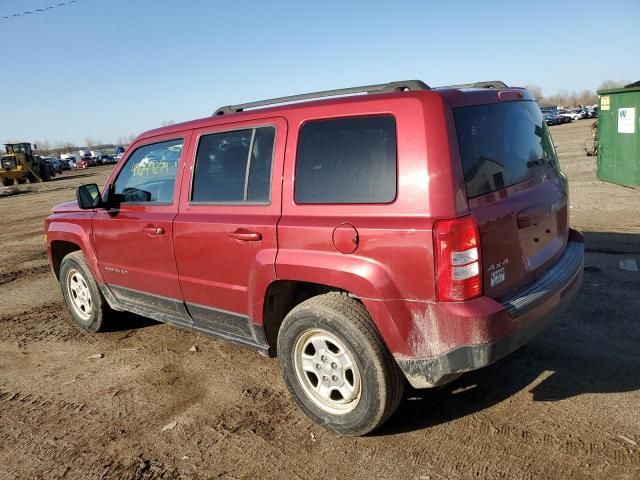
[(388, 234)]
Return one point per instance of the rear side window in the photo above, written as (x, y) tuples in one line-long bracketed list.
[(234, 167), (347, 160), (502, 144)]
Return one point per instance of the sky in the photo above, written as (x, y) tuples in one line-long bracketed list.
[(105, 69)]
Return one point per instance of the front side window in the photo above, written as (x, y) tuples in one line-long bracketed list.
[(234, 167), (149, 174), (346, 161)]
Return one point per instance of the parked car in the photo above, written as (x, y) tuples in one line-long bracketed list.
[(580, 112), (407, 235), (107, 160), (72, 162), (568, 116), (89, 161), (70, 158), (54, 165), (57, 165), (551, 119), (65, 165), (83, 163)]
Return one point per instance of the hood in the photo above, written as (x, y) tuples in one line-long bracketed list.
[(65, 207)]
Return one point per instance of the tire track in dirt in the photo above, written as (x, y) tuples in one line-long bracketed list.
[(51, 448), (76, 439), (71, 441), (44, 323), (263, 421), (11, 276), (471, 447), (571, 444)]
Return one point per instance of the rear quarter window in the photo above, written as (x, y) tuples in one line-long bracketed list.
[(502, 144), (347, 161)]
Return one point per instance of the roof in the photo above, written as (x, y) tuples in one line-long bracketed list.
[(401, 89), (632, 87)]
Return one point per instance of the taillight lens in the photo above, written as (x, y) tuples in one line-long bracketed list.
[(457, 248)]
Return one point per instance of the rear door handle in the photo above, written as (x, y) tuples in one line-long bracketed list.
[(152, 230), (246, 236)]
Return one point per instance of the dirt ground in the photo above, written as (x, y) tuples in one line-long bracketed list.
[(565, 406)]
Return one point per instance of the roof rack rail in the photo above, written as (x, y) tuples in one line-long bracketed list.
[(400, 86), (486, 84)]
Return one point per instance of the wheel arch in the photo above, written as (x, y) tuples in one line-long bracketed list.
[(64, 238), (282, 296), (59, 250)]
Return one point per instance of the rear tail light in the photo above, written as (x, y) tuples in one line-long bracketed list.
[(457, 249)]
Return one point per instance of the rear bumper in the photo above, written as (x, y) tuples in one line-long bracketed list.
[(504, 326)]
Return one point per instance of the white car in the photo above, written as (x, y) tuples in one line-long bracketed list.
[(570, 115)]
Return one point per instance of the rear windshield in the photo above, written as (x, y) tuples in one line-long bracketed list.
[(502, 144)]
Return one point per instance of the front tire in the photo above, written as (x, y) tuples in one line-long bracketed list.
[(7, 182), (336, 365), (45, 173), (87, 306)]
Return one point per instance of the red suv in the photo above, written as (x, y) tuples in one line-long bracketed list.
[(406, 233)]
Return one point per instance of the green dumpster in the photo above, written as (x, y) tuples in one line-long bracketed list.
[(619, 135)]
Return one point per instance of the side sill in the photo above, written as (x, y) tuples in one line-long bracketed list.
[(262, 348), (174, 312)]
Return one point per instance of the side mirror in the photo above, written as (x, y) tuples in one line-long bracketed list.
[(88, 196)]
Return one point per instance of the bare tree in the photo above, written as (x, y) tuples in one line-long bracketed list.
[(92, 142), (535, 91), (65, 145), (126, 139), (43, 145), (613, 84), (586, 97)]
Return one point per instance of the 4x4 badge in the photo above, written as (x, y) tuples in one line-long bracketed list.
[(498, 265)]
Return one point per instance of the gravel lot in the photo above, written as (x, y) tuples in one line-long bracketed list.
[(565, 406)]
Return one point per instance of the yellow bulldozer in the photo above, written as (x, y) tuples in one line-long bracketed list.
[(20, 164)]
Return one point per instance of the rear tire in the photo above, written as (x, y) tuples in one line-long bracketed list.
[(7, 182), (21, 181), (336, 365), (87, 306)]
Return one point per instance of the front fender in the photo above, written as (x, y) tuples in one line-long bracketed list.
[(78, 232)]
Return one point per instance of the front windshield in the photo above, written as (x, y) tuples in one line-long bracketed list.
[(15, 148)]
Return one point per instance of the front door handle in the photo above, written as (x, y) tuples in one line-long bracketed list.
[(152, 230), (245, 235)]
